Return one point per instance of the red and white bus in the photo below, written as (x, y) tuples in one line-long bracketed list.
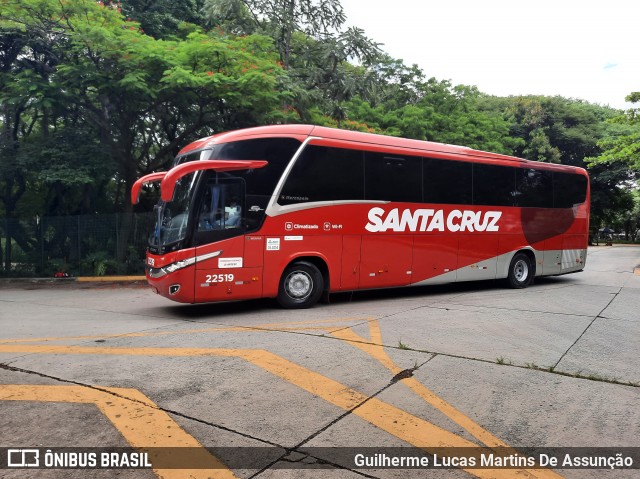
[(296, 211)]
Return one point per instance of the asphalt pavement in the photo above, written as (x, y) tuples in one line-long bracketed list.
[(251, 390)]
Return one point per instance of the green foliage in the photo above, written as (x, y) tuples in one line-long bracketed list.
[(312, 48), (279, 19), (625, 149), (88, 102), (138, 96), (161, 18), (556, 129), (101, 264), (627, 220), (615, 169), (434, 111), (622, 144)]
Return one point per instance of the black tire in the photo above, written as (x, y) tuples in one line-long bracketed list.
[(301, 286), (521, 271)]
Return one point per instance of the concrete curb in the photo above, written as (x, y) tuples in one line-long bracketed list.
[(79, 279), (94, 279)]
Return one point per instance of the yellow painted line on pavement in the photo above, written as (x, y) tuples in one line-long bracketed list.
[(391, 419), (138, 419), (372, 347), (376, 350), (220, 329), (54, 349), (266, 327)]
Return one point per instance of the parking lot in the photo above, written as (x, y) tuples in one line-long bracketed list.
[(251, 390)]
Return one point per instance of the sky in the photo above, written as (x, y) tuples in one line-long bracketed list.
[(576, 49)]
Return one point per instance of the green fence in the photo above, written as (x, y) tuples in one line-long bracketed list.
[(83, 245)]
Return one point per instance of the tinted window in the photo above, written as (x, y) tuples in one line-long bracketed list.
[(393, 178), (446, 181), (221, 207), (277, 151), (222, 210), (534, 188), (325, 174), (568, 189), (260, 182), (493, 185)]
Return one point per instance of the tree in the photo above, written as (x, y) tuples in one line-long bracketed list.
[(405, 103), (27, 105), (622, 145), (322, 77), (556, 129), (138, 99), (618, 162), (279, 19), (312, 46), (161, 18)]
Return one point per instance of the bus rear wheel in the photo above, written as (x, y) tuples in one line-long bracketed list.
[(301, 286), (520, 271)]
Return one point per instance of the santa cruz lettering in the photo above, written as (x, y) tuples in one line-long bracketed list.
[(426, 219)]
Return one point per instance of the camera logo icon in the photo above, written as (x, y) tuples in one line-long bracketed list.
[(23, 458)]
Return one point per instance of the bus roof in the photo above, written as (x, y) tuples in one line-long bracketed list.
[(304, 131)]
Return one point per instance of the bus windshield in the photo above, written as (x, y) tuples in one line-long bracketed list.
[(172, 218), (209, 206)]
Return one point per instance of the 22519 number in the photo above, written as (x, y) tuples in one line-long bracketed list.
[(219, 278)]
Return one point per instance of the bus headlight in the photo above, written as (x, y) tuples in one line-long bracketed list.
[(156, 273)]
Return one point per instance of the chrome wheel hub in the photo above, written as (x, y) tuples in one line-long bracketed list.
[(521, 271), (298, 285)]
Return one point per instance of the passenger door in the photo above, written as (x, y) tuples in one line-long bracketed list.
[(226, 268)]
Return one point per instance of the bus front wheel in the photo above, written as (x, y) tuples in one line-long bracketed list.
[(520, 271), (301, 286)]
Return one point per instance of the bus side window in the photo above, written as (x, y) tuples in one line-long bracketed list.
[(446, 181), (534, 188), (568, 189), (207, 216), (493, 185), (221, 207), (325, 174), (390, 177)]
